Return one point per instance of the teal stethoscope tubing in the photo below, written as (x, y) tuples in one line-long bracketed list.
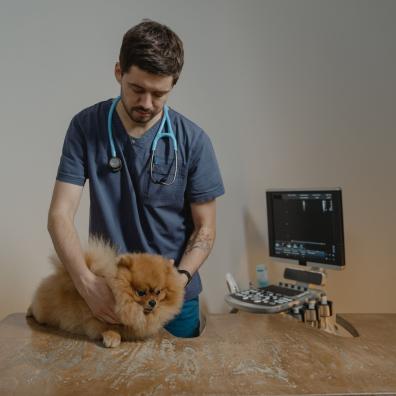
[(115, 162)]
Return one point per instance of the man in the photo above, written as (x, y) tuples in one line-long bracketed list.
[(139, 208)]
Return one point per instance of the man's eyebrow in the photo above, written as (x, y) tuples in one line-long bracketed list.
[(140, 87)]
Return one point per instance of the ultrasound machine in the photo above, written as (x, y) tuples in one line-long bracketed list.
[(305, 226)]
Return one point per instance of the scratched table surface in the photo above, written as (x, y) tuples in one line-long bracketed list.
[(243, 354)]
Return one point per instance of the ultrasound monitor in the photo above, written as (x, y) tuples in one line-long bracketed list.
[(306, 226)]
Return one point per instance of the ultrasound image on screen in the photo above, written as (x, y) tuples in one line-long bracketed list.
[(306, 220), (306, 226)]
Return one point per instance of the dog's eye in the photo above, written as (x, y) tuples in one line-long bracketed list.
[(140, 293), (157, 292)]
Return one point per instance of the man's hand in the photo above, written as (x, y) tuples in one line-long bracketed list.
[(99, 298)]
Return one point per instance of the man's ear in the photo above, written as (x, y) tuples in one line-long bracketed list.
[(118, 72)]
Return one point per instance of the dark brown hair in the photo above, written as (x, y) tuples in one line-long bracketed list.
[(154, 48)]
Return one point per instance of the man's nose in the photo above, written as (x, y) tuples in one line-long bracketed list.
[(146, 100)]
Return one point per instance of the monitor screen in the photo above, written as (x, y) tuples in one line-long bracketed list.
[(307, 226)]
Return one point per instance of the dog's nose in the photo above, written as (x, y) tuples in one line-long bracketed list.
[(152, 303)]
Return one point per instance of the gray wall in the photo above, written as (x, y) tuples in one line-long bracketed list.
[(292, 93)]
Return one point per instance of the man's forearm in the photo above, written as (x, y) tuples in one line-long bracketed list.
[(198, 249), (67, 245)]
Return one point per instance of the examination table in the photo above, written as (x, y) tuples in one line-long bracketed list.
[(241, 354)]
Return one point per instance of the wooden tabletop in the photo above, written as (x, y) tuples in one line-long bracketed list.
[(243, 354)]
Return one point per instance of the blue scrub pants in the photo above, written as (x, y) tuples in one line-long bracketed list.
[(186, 323)]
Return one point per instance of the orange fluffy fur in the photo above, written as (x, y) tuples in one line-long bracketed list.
[(57, 302)]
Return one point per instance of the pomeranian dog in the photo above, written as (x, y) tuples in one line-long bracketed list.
[(147, 288)]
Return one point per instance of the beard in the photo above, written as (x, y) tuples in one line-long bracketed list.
[(141, 115)]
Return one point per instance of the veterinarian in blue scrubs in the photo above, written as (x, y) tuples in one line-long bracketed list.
[(141, 205)]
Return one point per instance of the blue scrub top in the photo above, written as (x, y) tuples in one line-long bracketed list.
[(126, 207)]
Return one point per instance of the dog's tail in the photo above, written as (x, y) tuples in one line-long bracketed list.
[(100, 256)]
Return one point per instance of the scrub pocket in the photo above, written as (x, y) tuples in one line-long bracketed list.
[(157, 194)]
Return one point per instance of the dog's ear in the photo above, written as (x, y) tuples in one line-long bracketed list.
[(170, 265), (125, 261)]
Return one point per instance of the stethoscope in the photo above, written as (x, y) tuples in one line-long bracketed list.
[(115, 162)]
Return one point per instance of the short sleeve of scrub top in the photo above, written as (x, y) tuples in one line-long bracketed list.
[(73, 164), (204, 179)]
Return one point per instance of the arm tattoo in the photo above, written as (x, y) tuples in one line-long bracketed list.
[(202, 240)]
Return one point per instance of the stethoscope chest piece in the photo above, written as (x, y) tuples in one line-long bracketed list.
[(115, 164)]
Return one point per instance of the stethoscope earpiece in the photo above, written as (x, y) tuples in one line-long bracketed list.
[(115, 164)]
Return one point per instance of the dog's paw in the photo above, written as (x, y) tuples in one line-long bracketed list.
[(111, 339)]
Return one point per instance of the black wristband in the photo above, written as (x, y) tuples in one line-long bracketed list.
[(189, 277)]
